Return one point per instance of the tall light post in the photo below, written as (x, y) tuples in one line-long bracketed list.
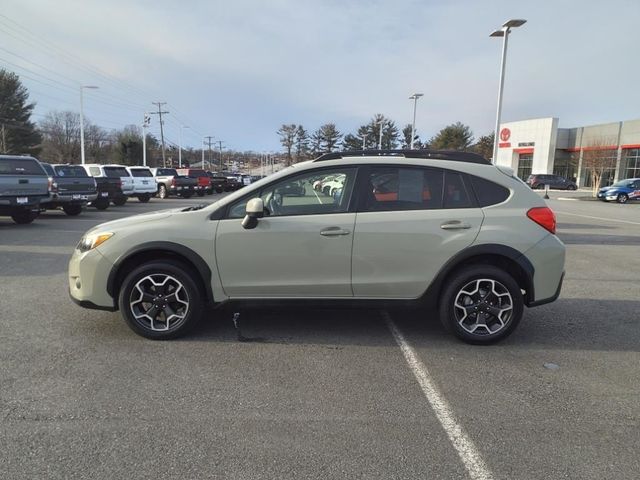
[(415, 98), (381, 123), (145, 125), (504, 33), (364, 139), (180, 145), (82, 87)]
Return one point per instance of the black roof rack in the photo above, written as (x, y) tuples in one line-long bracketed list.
[(454, 155)]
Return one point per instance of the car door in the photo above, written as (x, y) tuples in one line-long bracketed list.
[(300, 248), (410, 221)]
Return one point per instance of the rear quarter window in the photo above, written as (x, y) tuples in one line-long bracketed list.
[(488, 192), (21, 166), (141, 172), (116, 172)]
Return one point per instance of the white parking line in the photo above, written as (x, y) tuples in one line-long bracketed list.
[(464, 446), (599, 218)]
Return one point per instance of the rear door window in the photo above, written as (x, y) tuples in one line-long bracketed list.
[(455, 194), (402, 188)]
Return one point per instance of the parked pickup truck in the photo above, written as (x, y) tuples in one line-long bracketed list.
[(144, 185), (23, 185), (70, 187), (109, 187), (218, 182), (170, 183), (204, 182)]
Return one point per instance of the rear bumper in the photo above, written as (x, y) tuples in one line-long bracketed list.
[(552, 298), (9, 205), (70, 198)]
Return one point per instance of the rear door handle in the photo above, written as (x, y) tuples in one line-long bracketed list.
[(334, 232), (455, 225)]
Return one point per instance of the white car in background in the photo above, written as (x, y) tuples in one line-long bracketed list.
[(144, 183), (329, 188)]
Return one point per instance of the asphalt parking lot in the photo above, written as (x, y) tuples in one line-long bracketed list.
[(322, 394)]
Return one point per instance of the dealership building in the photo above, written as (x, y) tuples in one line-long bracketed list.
[(539, 146)]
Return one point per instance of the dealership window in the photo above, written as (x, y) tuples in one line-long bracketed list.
[(525, 162), (566, 166), (631, 164), (603, 160)]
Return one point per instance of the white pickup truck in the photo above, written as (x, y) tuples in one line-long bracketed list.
[(144, 184)]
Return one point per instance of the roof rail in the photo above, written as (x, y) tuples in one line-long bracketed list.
[(453, 155)]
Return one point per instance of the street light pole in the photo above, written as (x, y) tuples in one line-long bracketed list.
[(145, 124), (180, 145), (504, 33), (82, 87), (381, 123), (415, 98)]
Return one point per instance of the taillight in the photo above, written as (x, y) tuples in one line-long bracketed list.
[(544, 217), (53, 186), (173, 182)]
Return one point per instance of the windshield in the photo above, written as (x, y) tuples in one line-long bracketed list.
[(623, 183)]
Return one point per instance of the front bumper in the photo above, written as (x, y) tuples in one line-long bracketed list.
[(87, 275)]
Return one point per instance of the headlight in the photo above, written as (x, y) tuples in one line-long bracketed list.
[(89, 242)]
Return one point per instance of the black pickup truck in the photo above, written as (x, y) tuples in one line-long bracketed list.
[(109, 187), (218, 182), (23, 185), (70, 187)]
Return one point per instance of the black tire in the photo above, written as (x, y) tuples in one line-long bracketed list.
[(162, 191), (572, 187), (187, 195), (200, 193), (72, 210), (454, 318), (101, 203), (24, 216), (219, 190), (189, 293), (210, 191), (622, 198), (119, 201), (144, 198), (540, 186)]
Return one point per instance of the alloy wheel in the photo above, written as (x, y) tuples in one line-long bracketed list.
[(483, 307), (159, 302)]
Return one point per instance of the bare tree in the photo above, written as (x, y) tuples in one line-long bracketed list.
[(61, 137), (287, 139), (597, 159)]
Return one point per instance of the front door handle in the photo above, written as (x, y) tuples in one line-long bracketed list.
[(334, 232), (455, 225)]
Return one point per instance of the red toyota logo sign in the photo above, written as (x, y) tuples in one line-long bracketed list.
[(505, 134)]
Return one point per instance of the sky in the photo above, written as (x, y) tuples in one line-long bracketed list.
[(238, 69)]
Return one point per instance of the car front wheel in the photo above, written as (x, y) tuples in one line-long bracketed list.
[(159, 300), (481, 304)]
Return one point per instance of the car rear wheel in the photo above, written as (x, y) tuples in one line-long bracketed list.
[(160, 300), (187, 195), (101, 203), (119, 201), (481, 304), (622, 198), (72, 210), (162, 192), (23, 217), (144, 198), (540, 186), (200, 193), (572, 187)]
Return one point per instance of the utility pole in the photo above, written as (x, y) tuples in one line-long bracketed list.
[(220, 142), (160, 112), (145, 125), (4, 141), (208, 142)]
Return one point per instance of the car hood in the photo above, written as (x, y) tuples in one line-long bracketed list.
[(136, 220)]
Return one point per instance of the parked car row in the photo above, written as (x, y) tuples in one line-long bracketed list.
[(28, 186)]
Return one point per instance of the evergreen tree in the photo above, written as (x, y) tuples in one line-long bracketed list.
[(18, 134), (456, 136), (301, 143)]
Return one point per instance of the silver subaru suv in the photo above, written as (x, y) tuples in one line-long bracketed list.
[(432, 229)]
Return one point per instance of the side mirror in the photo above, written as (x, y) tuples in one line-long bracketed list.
[(254, 211)]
